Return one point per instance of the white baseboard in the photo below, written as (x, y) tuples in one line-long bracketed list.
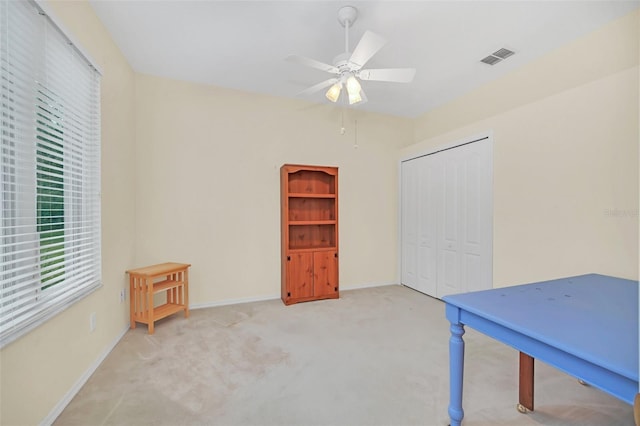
[(60, 406), (367, 285), (233, 301), (226, 302)]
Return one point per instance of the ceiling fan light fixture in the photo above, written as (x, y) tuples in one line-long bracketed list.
[(334, 92), (353, 89), (353, 86), (354, 98)]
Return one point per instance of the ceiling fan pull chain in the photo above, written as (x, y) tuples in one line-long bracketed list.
[(355, 137)]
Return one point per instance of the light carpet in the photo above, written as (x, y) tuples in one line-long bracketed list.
[(376, 356)]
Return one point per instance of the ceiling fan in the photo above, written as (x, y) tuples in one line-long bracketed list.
[(347, 67)]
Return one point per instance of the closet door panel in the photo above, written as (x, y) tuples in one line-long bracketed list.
[(486, 219), (478, 240), (428, 200), (472, 247), (449, 226), (409, 225)]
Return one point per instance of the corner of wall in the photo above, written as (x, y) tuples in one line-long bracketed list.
[(568, 66)]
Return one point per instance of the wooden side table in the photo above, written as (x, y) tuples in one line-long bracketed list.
[(173, 278)]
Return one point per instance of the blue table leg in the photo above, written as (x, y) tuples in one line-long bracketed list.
[(456, 373)]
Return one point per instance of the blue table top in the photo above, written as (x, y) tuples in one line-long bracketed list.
[(594, 317)]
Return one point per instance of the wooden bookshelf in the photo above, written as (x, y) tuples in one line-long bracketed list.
[(309, 228)]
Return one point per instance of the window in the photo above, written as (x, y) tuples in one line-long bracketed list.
[(49, 171)]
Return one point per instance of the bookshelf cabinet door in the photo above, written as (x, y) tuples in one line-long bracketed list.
[(325, 271), (300, 275)]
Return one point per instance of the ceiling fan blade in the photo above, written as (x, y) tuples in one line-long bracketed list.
[(368, 46), (312, 63), (317, 87), (396, 75)]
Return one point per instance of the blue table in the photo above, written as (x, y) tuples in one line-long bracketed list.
[(586, 326)]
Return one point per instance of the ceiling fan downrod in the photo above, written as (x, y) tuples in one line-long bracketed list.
[(347, 15)]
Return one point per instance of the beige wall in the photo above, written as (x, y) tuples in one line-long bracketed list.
[(38, 370), (565, 157), (207, 185)]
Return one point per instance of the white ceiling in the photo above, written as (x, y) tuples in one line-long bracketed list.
[(243, 44)]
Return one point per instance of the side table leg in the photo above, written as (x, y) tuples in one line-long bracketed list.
[(186, 292), (132, 301), (456, 373), (150, 305)]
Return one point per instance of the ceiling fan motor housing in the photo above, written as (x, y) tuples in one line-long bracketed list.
[(347, 14), (342, 62)]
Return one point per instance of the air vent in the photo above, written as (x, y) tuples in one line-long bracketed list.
[(497, 56), (491, 60), (503, 53)]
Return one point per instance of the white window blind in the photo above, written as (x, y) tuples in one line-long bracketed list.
[(49, 171)]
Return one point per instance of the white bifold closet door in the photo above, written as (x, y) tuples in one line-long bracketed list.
[(446, 220)]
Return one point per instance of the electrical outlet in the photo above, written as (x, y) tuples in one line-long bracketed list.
[(123, 295), (92, 322)]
